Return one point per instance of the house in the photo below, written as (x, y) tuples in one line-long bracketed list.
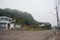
[(6, 22), (45, 25), (41, 25)]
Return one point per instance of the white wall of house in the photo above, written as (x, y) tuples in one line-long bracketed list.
[(41, 24), (12, 25)]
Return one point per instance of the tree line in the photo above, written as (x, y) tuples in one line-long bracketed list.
[(21, 17)]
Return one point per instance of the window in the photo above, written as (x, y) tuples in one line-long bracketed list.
[(3, 19)]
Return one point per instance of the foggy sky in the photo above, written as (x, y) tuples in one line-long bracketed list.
[(41, 10)]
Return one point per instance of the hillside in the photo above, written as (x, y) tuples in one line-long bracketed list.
[(23, 18), (20, 16)]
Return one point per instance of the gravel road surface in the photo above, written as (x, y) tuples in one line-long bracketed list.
[(24, 35)]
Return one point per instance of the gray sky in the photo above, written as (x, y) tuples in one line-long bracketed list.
[(41, 10)]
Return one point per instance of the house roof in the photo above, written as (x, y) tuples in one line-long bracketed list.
[(5, 17)]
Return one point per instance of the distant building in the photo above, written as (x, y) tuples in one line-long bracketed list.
[(45, 25), (6, 22), (41, 25)]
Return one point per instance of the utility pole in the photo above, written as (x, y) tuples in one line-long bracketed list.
[(57, 6)]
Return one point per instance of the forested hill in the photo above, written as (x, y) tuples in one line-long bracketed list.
[(23, 18), (20, 16)]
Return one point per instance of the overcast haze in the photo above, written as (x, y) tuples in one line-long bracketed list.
[(41, 10)]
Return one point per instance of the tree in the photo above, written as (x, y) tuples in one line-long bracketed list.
[(47, 25)]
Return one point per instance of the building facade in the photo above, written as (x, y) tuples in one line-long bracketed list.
[(6, 22)]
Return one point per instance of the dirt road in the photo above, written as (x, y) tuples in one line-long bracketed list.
[(57, 35), (24, 35)]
